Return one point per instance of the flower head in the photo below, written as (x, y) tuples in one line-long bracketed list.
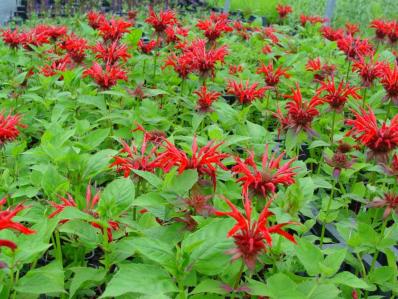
[(205, 98), (214, 26), (381, 28), (106, 78), (113, 29), (321, 71), (147, 47), (351, 28), (389, 201), (174, 34), (234, 69), (161, 20), (59, 65), (283, 10), (368, 70), (332, 34), (111, 53), (199, 203), (311, 19), (389, 79), (9, 127), (392, 33), (354, 48), (95, 19), (75, 47), (339, 161), (272, 76), (12, 37), (181, 64), (245, 92)]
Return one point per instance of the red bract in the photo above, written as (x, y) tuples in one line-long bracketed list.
[(162, 20), (380, 140), (246, 93), (234, 69), (283, 10), (381, 28), (111, 53), (339, 161), (272, 76), (199, 203), (174, 34), (106, 78), (204, 160), (311, 19), (351, 29), (269, 33), (75, 47), (214, 26), (12, 37), (300, 114), (249, 235), (59, 65), (95, 19), (265, 181), (331, 34), (181, 65), (89, 208), (392, 33), (52, 32), (113, 29), (355, 47), (337, 96), (34, 38), (205, 98), (321, 71), (241, 30), (389, 79), (9, 127), (6, 222), (146, 47), (368, 70), (389, 202)]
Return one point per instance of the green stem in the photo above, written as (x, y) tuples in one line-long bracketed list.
[(327, 213), (348, 70), (364, 98), (155, 60), (376, 255), (238, 277), (105, 247), (333, 124), (388, 111)]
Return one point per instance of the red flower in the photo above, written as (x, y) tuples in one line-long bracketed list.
[(181, 64), (214, 26), (311, 19), (75, 47), (381, 27), (272, 76), (199, 204), (381, 140), (249, 235), (331, 34), (336, 97), (339, 161), (205, 98), (389, 202), (351, 29), (6, 222), (367, 70), (155, 137), (300, 114), (12, 37), (283, 10), (147, 47), (9, 127), (241, 30), (113, 29), (106, 78), (95, 19), (203, 160), (321, 71), (34, 38), (265, 181), (59, 65), (132, 14), (355, 47), (392, 33), (393, 169), (234, 69), (246, 93), (52, 32), (269, 33), (389, 79), (173, 34), (161, 21), (111, 53), (266, 49), (89, 208)]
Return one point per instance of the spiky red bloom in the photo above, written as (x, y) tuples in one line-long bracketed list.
[(88, 208), (265, 181), (337, 96), (75, 47), (241, 30), (9, 127), (381, 140), (269, 33), (252, 237), (205, 98), (339, 161), (234, 69), (381, 28), (106, 78), (284, 10), (200, 204), (204, 160), (368, 70), (12, 37), (321, 71), (131, 158), (59, 65), (246, 93), (111, 53), (162, 20), (392, 33), (213, 27), (95, 19), (351, 28), (389, 79), (52, 32), (34, 38), (311, 19), (181, 64), (300, 114), (113, 29), (6, 222), (147, 47), (354, 48), (331, 34), (389, 202), (272, 76), (174, 34)]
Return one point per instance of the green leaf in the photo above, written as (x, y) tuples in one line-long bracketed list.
[(182, 183), (318, 143), (98, 163), (82, 276), (333, 261), (141, 279), (53, 182), (149, 177), (349, 279), (281, 286), (209, 286), (152, 201), (95, 138), (257, 288), (45, 280), (133, 37), (117, 197), (310, 256), (97, 101)]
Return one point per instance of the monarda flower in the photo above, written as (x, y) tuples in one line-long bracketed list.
[(351, 29), (33, 38), (252, 237), (12, 38), (300, 114), (263, 181), (337, 96), (392, 33), (113, 29), (147, 47), (354, 48), (89, 207), (57, 66), (214, 26), (368, 70), (95, 19), (6, 222), (321, 71), (269, 33), (331, 34), (174, 34), (181, 65), (52, 32), (389, 201), (241, 30), (111, 53), (283, 10), (234, 69), (204, 160), (311, 19), (381, 28), (246, 93), (272, 76), (380, 140), (106, 78), (161, 20), (200, 205), (75, 47), (205, 98), (339, 161), (9, 127), (389, 79)]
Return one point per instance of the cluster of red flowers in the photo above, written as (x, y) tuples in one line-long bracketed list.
[(284, 10), (321, 71), (385, 29), (9, 125), (214, 26)]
